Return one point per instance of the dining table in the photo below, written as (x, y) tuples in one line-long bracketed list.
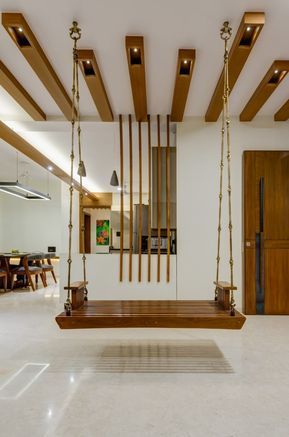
[(6, 262)]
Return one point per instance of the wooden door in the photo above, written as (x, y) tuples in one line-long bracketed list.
[(266, 232), (87, 233)]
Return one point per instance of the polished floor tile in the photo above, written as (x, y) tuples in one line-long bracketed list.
[(138, 382)]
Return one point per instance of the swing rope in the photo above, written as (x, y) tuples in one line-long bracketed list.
[(75, 35), (225, 33)]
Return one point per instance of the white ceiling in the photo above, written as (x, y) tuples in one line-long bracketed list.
[(166, 25)]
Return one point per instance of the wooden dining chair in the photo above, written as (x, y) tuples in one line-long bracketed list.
[(29, 268), (4, 272), (47, 265)]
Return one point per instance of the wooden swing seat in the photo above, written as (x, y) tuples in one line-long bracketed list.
[(206, 314)]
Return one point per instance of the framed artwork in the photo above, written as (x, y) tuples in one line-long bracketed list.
[(102, 232)]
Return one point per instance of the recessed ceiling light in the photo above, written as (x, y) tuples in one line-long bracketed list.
[(50, 168), (88, 62), (20, 29), (86, 194), (276, 71), (248, 29), (185, 61), (135, 49)]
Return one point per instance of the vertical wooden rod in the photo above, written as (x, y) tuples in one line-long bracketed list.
[(159, 198), (140, 202), (149, 197), (130, 199), (168, 197), (121, 198)]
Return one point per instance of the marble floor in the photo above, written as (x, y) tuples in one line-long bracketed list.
[(133, 383)]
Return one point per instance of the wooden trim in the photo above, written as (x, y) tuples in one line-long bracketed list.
[(37, 59), (100, 200), (16, 141), (238, 56), (137, 75), (266, 87), (121, 198), (140, 204), (283, 113), (168, 196), (19, 94), (95, 83), (149, 197), (159, 198), (185, 66), (130, 199)]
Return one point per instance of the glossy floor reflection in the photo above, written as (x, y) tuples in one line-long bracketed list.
[(138, 382)]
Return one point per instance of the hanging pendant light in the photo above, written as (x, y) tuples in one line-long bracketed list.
[(81, 169), (114, 179)]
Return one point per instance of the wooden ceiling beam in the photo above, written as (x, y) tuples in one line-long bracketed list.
[(19, 94), (185, 66), (266, 87), (136, 66), (20, 32), (245, 39), (93, 79), (16, 141), (283, 113)]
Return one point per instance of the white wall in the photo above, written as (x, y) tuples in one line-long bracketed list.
[(198, 155), (103, 277), (31, 225)]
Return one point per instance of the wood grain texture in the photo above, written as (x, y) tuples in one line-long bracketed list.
[(137, 76), (182, 84), (16, 141), (283, 113), (276, 281), (121, 198), (168, 197), (95, 84), (159, 199), (151, 314), (130, 198), (238, 56), (149, 196), (140, 204), (264, 90), (19, 94), (38, 60)]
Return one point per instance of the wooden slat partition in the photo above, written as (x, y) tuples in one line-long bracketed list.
[(168, 196), (140, 203), (149, 197), (130, 198), (159, 199), (121, 198)]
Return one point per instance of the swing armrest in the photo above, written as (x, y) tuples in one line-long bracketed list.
[(76, 286), (222, 285)]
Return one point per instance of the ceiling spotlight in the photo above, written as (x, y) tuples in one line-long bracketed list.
[(50, 168), (86, 194), (276, 71), (135, 49), (248, 29), (88, 62), (20, 29), (185, 61)]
